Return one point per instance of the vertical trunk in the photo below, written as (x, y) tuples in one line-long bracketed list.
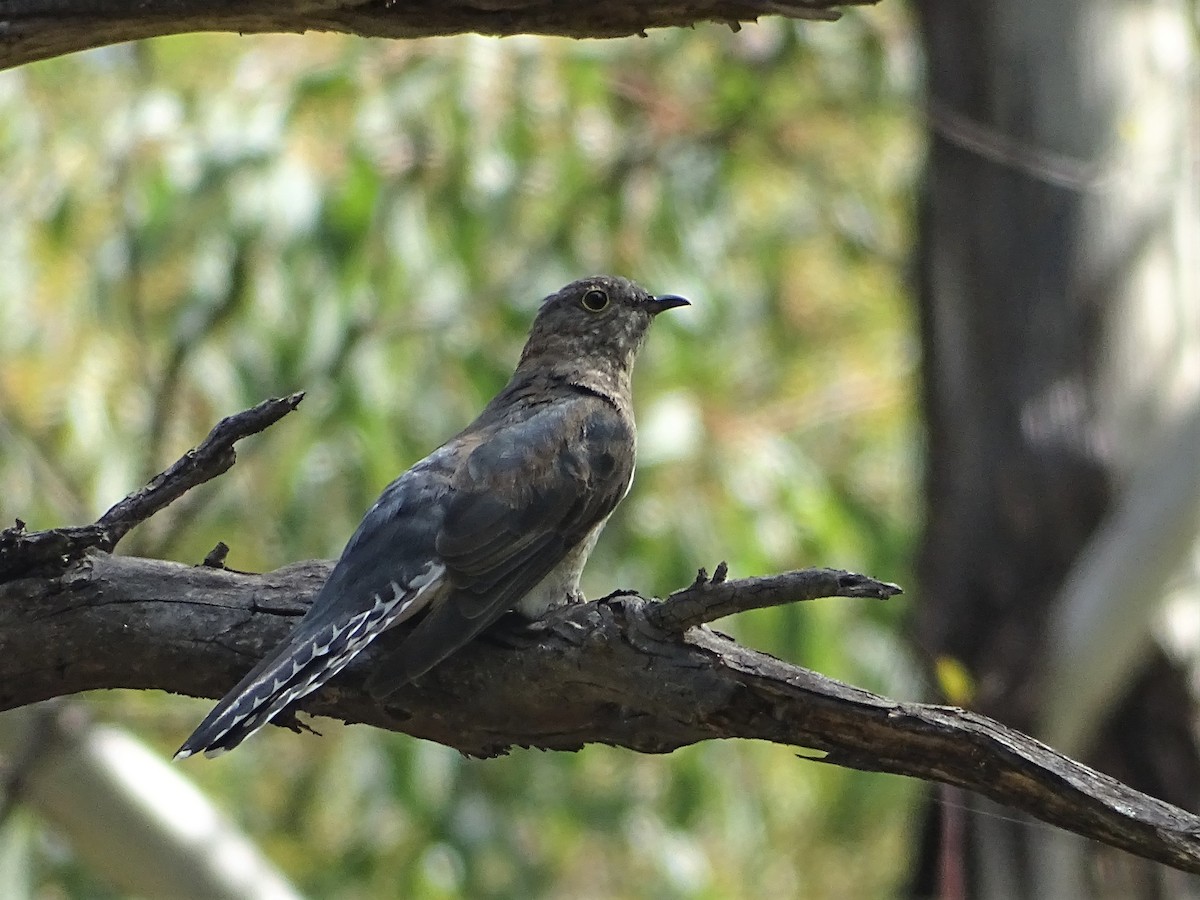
[(1061, 338)]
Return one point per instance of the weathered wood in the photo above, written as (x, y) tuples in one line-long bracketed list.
[(24, 552), (625, 671), (39, 29), (601, 672)]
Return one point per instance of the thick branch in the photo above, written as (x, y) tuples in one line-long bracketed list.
[(38, 29), (626, 671), (602, 672)]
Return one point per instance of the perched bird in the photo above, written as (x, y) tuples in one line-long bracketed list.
[(501, 517)]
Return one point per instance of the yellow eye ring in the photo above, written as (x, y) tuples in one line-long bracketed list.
[(594, 300)]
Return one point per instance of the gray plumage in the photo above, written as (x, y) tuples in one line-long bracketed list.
[(501, 517)]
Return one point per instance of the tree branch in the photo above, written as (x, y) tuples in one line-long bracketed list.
[(38, 29), (707, 600), (600, 672), (625, 671), (23, 552)]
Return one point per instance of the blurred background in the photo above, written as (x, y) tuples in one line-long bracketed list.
[(189, 225), (194, 224)]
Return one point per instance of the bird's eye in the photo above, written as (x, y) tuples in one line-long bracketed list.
[(595, 300)]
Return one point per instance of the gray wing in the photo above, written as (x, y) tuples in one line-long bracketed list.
[(465, 533), (387, 573), (521, 500)]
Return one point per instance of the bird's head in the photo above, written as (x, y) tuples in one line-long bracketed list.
[(595, 324)]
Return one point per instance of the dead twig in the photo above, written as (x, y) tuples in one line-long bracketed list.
[(707, 600), (24, 552)]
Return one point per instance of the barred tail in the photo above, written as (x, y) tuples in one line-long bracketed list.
[(309, 657)]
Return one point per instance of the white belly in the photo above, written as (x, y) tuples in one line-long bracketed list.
[(561, 585)]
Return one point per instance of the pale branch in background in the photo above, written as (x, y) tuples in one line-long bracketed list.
[(39, 29), (129, 815), (626, 671)]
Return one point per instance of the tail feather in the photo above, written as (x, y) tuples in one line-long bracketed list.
[(306, 660), (441, 633)]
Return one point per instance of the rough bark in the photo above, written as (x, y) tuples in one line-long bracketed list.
[(38, 29), (625, 671), (602, 672)]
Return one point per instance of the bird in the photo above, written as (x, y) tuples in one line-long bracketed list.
[(500, 518)]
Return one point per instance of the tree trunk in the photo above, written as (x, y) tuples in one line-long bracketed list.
[(1061, 341)]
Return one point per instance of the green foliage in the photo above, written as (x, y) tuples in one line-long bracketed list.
[(192, 224)]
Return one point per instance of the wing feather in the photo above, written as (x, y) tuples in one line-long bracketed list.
[(462, 536), (523, 499), (529, 494)]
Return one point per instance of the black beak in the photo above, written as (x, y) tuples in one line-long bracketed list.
[(663, 302)]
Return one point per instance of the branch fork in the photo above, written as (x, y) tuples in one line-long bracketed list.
[(708, 599), (625, 671), (24, 552)]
